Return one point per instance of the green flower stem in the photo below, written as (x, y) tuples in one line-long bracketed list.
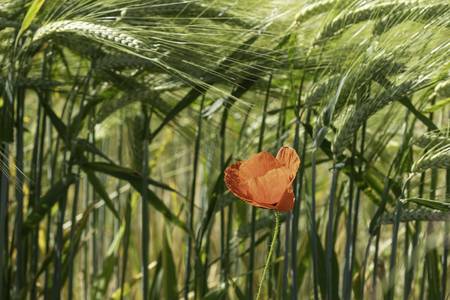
[(269, 256)]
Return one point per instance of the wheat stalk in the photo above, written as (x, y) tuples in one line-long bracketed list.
[(420, 214), (90, 30), (442, 89), (437, 158), (360, 113), (433, 138), (417, 14), (378, 66), (321, 90), (368, 12), (314, 9)]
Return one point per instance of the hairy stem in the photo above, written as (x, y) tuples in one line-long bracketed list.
[(269, 256)]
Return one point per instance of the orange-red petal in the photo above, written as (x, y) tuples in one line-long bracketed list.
[(287, 201), (265, 181), (234, 182), (258, 165), (270, 187), (289, 158)]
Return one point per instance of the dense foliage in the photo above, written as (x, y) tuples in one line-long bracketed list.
[(118, 118)]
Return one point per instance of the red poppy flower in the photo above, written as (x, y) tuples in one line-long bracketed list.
[(265, 181)]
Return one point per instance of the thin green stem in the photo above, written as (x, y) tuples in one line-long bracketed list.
[(269, 256)]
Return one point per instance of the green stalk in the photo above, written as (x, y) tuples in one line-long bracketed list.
[(86, 265), (415, 240), (53, 158), (287, 247), (145, 200), (6, 137), (446, 242), (346, 284), (357, 201), (119, 194), (375, 265), (269, 256), (126, 242), (38, 168), (431, 256), (94, 224), (4, 183), (34, 196), (192, 198), (364, 266), (381, 209), (313, 231), (19, 241), (297, 207), (392, 264), (223, 250), (312, 213), (297, 192), (329, 237), (406, 248), (72, 252)]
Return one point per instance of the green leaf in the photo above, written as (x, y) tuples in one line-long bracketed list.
[(46, 202), (75, 145), (136, 182), (439, 205), (124, 173), (169, 271), (159, 205), (32, 12), (100, 190)]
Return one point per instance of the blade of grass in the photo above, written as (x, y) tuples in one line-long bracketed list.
[(20, 178), (126, 242), (346, 284), (446, 243), (145, 236), (357, 202), (192, 199), (332, 292), (4, 221)]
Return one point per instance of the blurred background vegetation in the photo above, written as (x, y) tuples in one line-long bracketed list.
[(118, 118)]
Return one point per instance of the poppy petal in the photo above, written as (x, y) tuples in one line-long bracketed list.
[(234, 182), (269, 188), (289, 158), (286, 203), (258, 165)]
